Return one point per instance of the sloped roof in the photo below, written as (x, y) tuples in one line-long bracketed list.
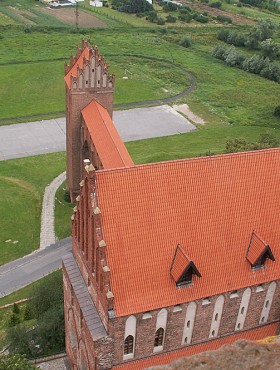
[(181, 262), (257, 248), (210, 345), (209, 204), (106, 139), (78, 63)]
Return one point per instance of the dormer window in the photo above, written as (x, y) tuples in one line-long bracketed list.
[(183, 268), (258, 251)]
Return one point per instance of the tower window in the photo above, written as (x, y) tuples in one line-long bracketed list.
[(128, 345), (159, 337)]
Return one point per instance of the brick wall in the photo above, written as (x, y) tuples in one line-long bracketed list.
[(146, 327)]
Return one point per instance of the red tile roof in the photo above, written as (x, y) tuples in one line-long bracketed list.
[(257, 248), (210, 205), (106, 139), (78, 63), (210, 345)]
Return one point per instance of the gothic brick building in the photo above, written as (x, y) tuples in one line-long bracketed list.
[(169, 259)]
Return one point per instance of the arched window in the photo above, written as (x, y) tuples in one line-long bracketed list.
[(217, 315), (128, 345), (129, 337), (267, 302), (243, 309), (189, 323), (159, 337)]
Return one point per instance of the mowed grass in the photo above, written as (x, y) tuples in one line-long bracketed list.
[(22, 184), (40, 86), (223, 94)]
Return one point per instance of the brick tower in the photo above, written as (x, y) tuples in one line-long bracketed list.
[(86, 78)]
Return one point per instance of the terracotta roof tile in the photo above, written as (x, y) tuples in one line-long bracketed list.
[(76, 65), (179, 263), (105, 137), (209, 204), (256, 249), (210, 345)]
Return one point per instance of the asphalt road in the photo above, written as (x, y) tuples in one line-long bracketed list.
[(23, 271), (48, 136)]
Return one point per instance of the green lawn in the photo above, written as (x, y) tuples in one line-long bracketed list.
[(63, 213), (22, 183)]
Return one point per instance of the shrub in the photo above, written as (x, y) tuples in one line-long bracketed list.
[(270, 49), (254, 64), (218, 51), (277, 111), (271, 71), (66, 196), (151, 16), (185, 17), (16, 309), (236, 145), (160, 21), (233, 58), (185, 9), (27, 28), (224, 19), (216, 4), (171, 19), (200, 18), (186, 42), (170, 7), (14, 320)]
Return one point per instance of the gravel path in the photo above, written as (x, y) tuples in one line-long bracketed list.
[(47, 235)]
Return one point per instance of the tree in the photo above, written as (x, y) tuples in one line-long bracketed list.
[(218, 51), (264, 29), (132, 6), (46, 295), (270, 49), (15, 362), (233, 58)]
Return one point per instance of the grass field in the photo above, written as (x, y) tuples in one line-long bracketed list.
[(22, 183), (63, 212)]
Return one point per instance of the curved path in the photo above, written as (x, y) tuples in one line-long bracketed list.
[(47, 235), (140, 104)]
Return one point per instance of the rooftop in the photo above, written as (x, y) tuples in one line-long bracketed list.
[(210, 206)]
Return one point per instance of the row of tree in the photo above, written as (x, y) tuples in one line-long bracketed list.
[(256, 64), (262, 31)]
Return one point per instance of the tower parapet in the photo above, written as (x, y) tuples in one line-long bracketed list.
[(87, 77)]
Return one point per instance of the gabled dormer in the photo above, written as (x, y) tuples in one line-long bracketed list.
[(258, 251), (183, 268)]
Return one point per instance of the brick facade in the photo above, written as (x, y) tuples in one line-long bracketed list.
[(80, 91)]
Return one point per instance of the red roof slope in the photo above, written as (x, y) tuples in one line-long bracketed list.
[(78, 63), (105, 137), (210, 345), (210, 205)]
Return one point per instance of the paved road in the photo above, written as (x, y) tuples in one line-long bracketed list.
[(23, 271), (41, 137)]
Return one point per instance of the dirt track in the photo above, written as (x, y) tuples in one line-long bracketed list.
[(68, 16), (213, 11)]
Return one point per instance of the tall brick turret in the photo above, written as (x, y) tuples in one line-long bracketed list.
[(87, 77)]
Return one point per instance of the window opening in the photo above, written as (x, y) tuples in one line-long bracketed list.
[(128, 345), (159, 337)]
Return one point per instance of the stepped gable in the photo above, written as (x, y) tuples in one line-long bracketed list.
[(105, 137), (211, 205), (88, 69)]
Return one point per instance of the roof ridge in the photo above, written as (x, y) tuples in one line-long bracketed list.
[(192, 159)]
